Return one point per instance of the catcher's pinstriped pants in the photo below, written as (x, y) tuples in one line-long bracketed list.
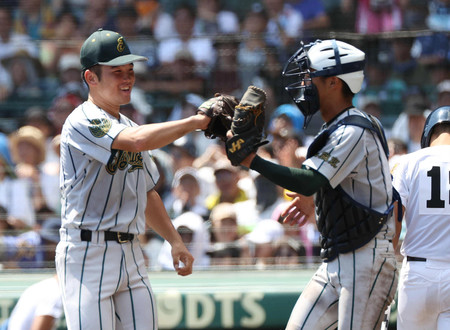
[(350, 292)]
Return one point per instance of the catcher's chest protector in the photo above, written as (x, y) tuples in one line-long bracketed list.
[(344, 224)]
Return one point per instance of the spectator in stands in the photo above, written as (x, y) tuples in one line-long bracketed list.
[(378, 83), (200, 48), (397, 148), (307, 232), (252, 53), (39, 307), (11, 43), (409, 125), (195, 141), (414, 15), (315, 18), (98, 14), (175, 78), (5, 229), (183, 153), (5, 84), (61, 108), (195, 235), (439, 15), (371, 105), (153, 20), (443, 94), (127, 25), (262, 241), (139, 98), (227, 247), (27, 76), (253, 210), (284, 28), (30, 248), (212, 20), (286, 132), (225, 75), (404, 66), (28, 153), (34, 18), (186, 193), (66, 38), (37, 117), (69, 74), (376, 16), (226, 178), (14, 196), (342, 16)]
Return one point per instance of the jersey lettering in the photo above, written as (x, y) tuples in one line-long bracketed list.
[(121, 159), (326, 157), (435, 189)]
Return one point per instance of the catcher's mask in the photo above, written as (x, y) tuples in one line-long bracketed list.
[(321, 59), (438, 116)]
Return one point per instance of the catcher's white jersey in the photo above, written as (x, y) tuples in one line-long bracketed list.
[(352, 160), (423, 180), (102, 189)]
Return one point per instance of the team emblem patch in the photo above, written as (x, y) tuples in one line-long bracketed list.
[(100, 127), (326, 157)]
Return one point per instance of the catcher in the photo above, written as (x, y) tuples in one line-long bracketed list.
[(347, 170)]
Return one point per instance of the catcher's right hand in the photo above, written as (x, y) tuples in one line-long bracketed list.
[(248, 126), (220, 109)]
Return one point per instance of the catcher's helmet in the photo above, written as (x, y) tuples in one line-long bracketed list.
[(438, 116), (321, 59)]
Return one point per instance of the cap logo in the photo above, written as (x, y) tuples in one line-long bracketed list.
[(120, 45)]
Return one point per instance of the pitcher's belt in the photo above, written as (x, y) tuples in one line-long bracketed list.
[(73, 234)]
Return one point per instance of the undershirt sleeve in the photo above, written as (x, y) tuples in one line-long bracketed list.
[(303, 180)]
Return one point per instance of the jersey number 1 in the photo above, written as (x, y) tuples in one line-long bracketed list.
[(436, 201)]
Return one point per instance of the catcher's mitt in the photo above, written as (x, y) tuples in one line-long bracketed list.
[(247, 126), (220, 109)]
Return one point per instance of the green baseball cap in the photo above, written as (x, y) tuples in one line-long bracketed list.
[(106, 48)]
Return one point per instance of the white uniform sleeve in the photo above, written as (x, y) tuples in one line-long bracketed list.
[(93, 135), (341, 155)]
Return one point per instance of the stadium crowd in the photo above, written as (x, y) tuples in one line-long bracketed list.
[(228, 216)]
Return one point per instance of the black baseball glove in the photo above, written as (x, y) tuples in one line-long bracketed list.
[(220, 109), (247, 126)]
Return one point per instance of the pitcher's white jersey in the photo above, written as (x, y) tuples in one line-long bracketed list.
[(423, 180), (94, 177)]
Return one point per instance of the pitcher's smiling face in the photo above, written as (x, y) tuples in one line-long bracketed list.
[(114, 86)]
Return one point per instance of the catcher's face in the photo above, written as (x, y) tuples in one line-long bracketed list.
[(300, 84)]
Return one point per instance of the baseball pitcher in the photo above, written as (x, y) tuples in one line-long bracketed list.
[(107, 183)]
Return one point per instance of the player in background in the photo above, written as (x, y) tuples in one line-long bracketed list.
[(347, 169), (38, 308), (107, 183), (423, 180)]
